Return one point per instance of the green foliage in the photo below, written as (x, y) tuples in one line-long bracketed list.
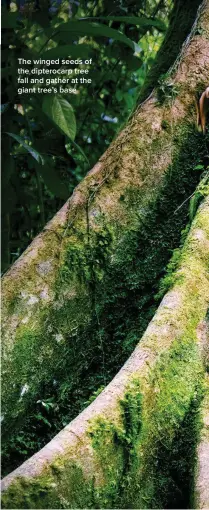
[(148, 459), (139, 21), (166, 90), (201, 191), (169, 279), (171, 432), (46, 127), (28, 148), (94, 395), (94, 30)]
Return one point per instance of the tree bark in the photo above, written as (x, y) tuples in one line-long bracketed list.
[(181, 20), (86, 283), (135, 445)]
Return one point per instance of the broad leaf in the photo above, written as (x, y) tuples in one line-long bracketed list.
[(95, 30), (61, 113), (36, 155), (134, 20)]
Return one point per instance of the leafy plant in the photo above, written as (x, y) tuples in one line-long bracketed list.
[(48, 140)]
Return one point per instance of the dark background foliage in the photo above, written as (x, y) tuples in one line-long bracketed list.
[(41, 165)]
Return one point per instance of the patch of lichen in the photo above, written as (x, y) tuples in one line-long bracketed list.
[(13, 287)]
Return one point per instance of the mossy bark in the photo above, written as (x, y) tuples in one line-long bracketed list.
[(181, 20), (135, 445), (200, 494), (80, 286)]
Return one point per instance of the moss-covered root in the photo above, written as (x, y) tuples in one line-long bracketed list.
[(102, 255), (134, 446), (201, 491), (99, 254)]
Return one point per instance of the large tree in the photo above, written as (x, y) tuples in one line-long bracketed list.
[(79, 298)]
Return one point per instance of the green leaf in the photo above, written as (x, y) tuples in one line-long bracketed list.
[(36, 155), (134, 20), (68, 50), (199, 167), (61, 113), (94, 30)]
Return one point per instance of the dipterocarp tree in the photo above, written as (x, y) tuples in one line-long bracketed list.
[(78, 300)]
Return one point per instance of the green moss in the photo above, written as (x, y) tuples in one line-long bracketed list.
[(88, 256), (170, 278), (157, 437), (147, 456), (115, 446), (165, 124), (104, 300), (201, 192), (61, 486), (171, 428)]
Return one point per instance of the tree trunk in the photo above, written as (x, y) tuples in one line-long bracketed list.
[(83, 292), (181, 20)]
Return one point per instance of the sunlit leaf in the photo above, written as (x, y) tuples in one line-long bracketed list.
[(61, 113), (36, 155)]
